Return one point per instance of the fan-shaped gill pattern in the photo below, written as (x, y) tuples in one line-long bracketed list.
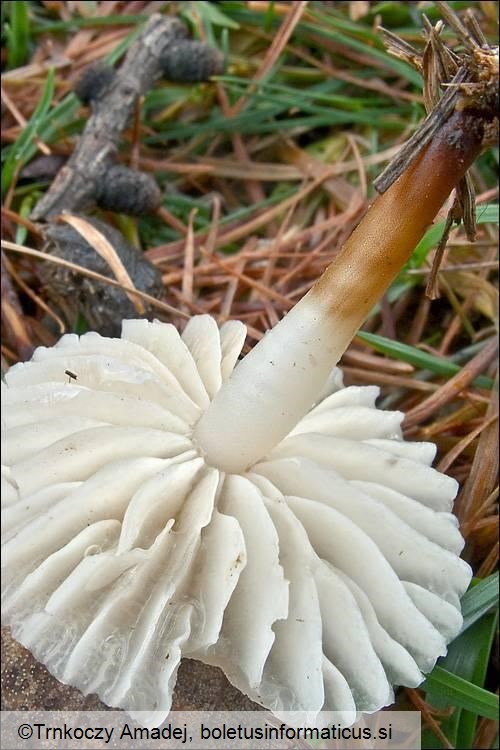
[(318, 580)]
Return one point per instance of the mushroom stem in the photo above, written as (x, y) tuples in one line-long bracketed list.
[(281, 378)]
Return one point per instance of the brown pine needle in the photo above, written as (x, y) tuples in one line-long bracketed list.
[(35, 297), (455, 452), (454, 386), (187, 273), (427, 716)]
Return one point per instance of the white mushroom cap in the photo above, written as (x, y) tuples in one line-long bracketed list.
[(317, 579)]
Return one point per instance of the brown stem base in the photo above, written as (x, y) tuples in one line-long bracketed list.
[(384, 240)]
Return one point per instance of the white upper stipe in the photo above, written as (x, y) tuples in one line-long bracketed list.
[(318, 578)]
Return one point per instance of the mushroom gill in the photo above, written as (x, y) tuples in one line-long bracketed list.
[(317, 579)]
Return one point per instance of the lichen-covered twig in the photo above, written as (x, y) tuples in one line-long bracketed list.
[(113, 97), (90, 177)]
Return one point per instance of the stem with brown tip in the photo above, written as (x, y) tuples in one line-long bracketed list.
[(280, 379)]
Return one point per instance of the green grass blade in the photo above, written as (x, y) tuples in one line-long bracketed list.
[(18, 152), (462, 693), (485, 214), (328, 25), (18, 33), (269, 17), (398, 66), (24, 211), (296, 97), (468, 657), (211, 12), (48, 125), (416, 357), (479, 600), (477, 651), (274, 119)]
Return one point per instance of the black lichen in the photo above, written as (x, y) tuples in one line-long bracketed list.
[(187, 61), (103, 306), (44, 167), (94, 82), (128, 191)]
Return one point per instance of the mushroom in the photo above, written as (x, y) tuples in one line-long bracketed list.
[(316, 578), (166, 502)]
